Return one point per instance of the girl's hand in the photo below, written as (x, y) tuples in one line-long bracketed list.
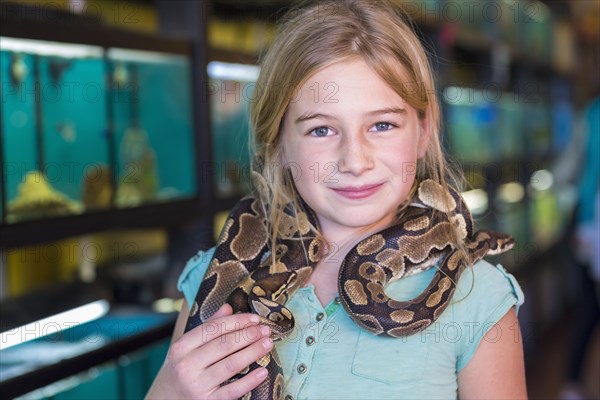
[(199, 361)]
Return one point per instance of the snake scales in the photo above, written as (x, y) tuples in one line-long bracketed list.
[(418, 241)]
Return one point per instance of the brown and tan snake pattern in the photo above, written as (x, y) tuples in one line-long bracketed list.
[(418, 241)]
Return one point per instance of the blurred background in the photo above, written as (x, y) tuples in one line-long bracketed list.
[(122, 147)]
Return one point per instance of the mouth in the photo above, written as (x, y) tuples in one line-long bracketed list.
[(358, 192)]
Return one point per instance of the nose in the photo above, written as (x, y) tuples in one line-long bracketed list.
[(356, 155)]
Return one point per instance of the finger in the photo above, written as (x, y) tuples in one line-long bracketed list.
[(237, 362), (228, 344), (212, 329), (224, 310), (240, 387)]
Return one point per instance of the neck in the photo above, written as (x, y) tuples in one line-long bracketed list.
[(342, 238)]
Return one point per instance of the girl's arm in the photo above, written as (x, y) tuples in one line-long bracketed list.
[(497, 369)]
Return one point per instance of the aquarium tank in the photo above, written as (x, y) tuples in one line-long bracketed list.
[(471, 120), (89, 128), (231, 89)]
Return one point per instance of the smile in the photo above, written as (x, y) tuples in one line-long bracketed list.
[(358, 192)]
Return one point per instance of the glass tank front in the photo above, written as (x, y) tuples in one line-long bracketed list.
[(230, 89), (471, 122), (85, 128), (152, 116)]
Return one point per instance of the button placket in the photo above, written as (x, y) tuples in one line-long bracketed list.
[(309, 337)]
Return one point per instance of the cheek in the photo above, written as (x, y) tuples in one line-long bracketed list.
[(298, 165), (310, 164), (401, 162), (405, 152)]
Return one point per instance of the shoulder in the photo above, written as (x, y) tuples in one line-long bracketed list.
[(485, 293), (193, 273), (485, 283)]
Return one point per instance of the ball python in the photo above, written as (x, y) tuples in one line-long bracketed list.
[(241, 274)]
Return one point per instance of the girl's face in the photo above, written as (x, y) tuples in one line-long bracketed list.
[(352, 145)]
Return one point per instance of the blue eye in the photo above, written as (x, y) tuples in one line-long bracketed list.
[(383, 126), (321, 131)]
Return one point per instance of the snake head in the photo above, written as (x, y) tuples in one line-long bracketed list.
[(505, 242), (500, 243), (267, 299), (275, 287)]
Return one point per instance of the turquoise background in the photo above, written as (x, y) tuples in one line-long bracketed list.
[(18, 125)]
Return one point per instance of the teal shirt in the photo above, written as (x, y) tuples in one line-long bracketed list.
[(328, 356)]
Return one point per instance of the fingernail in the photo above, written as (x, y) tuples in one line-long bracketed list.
[(265, 330), (262, 373), (254, 318), (267, 343)]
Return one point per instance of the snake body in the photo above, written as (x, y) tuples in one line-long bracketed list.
[(242, 275)]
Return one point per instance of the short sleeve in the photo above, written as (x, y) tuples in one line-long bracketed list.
[(193, 273), (485, 294)]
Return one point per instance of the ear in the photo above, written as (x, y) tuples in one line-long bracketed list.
[(424, 136)]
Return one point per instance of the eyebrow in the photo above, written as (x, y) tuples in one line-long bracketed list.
[(313, 115), (388, 110)]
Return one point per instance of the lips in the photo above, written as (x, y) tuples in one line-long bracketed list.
[(358, 192)]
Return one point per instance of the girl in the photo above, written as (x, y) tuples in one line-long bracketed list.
[(346, 120)]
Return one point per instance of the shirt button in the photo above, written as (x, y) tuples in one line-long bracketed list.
[(288, 397), (301, 368), (310, 340), (338, 300), (320, 316)]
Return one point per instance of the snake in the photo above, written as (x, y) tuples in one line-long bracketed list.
[(425, 233)]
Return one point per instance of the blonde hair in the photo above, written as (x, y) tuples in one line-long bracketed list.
[(320, 35)]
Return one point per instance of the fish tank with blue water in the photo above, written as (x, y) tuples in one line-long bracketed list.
[(87, 128), (538, 126), (471, 120), (512, 130), (152, 116), (230, 89)]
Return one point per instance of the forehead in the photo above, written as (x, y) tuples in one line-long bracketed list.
[(342, 83)]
